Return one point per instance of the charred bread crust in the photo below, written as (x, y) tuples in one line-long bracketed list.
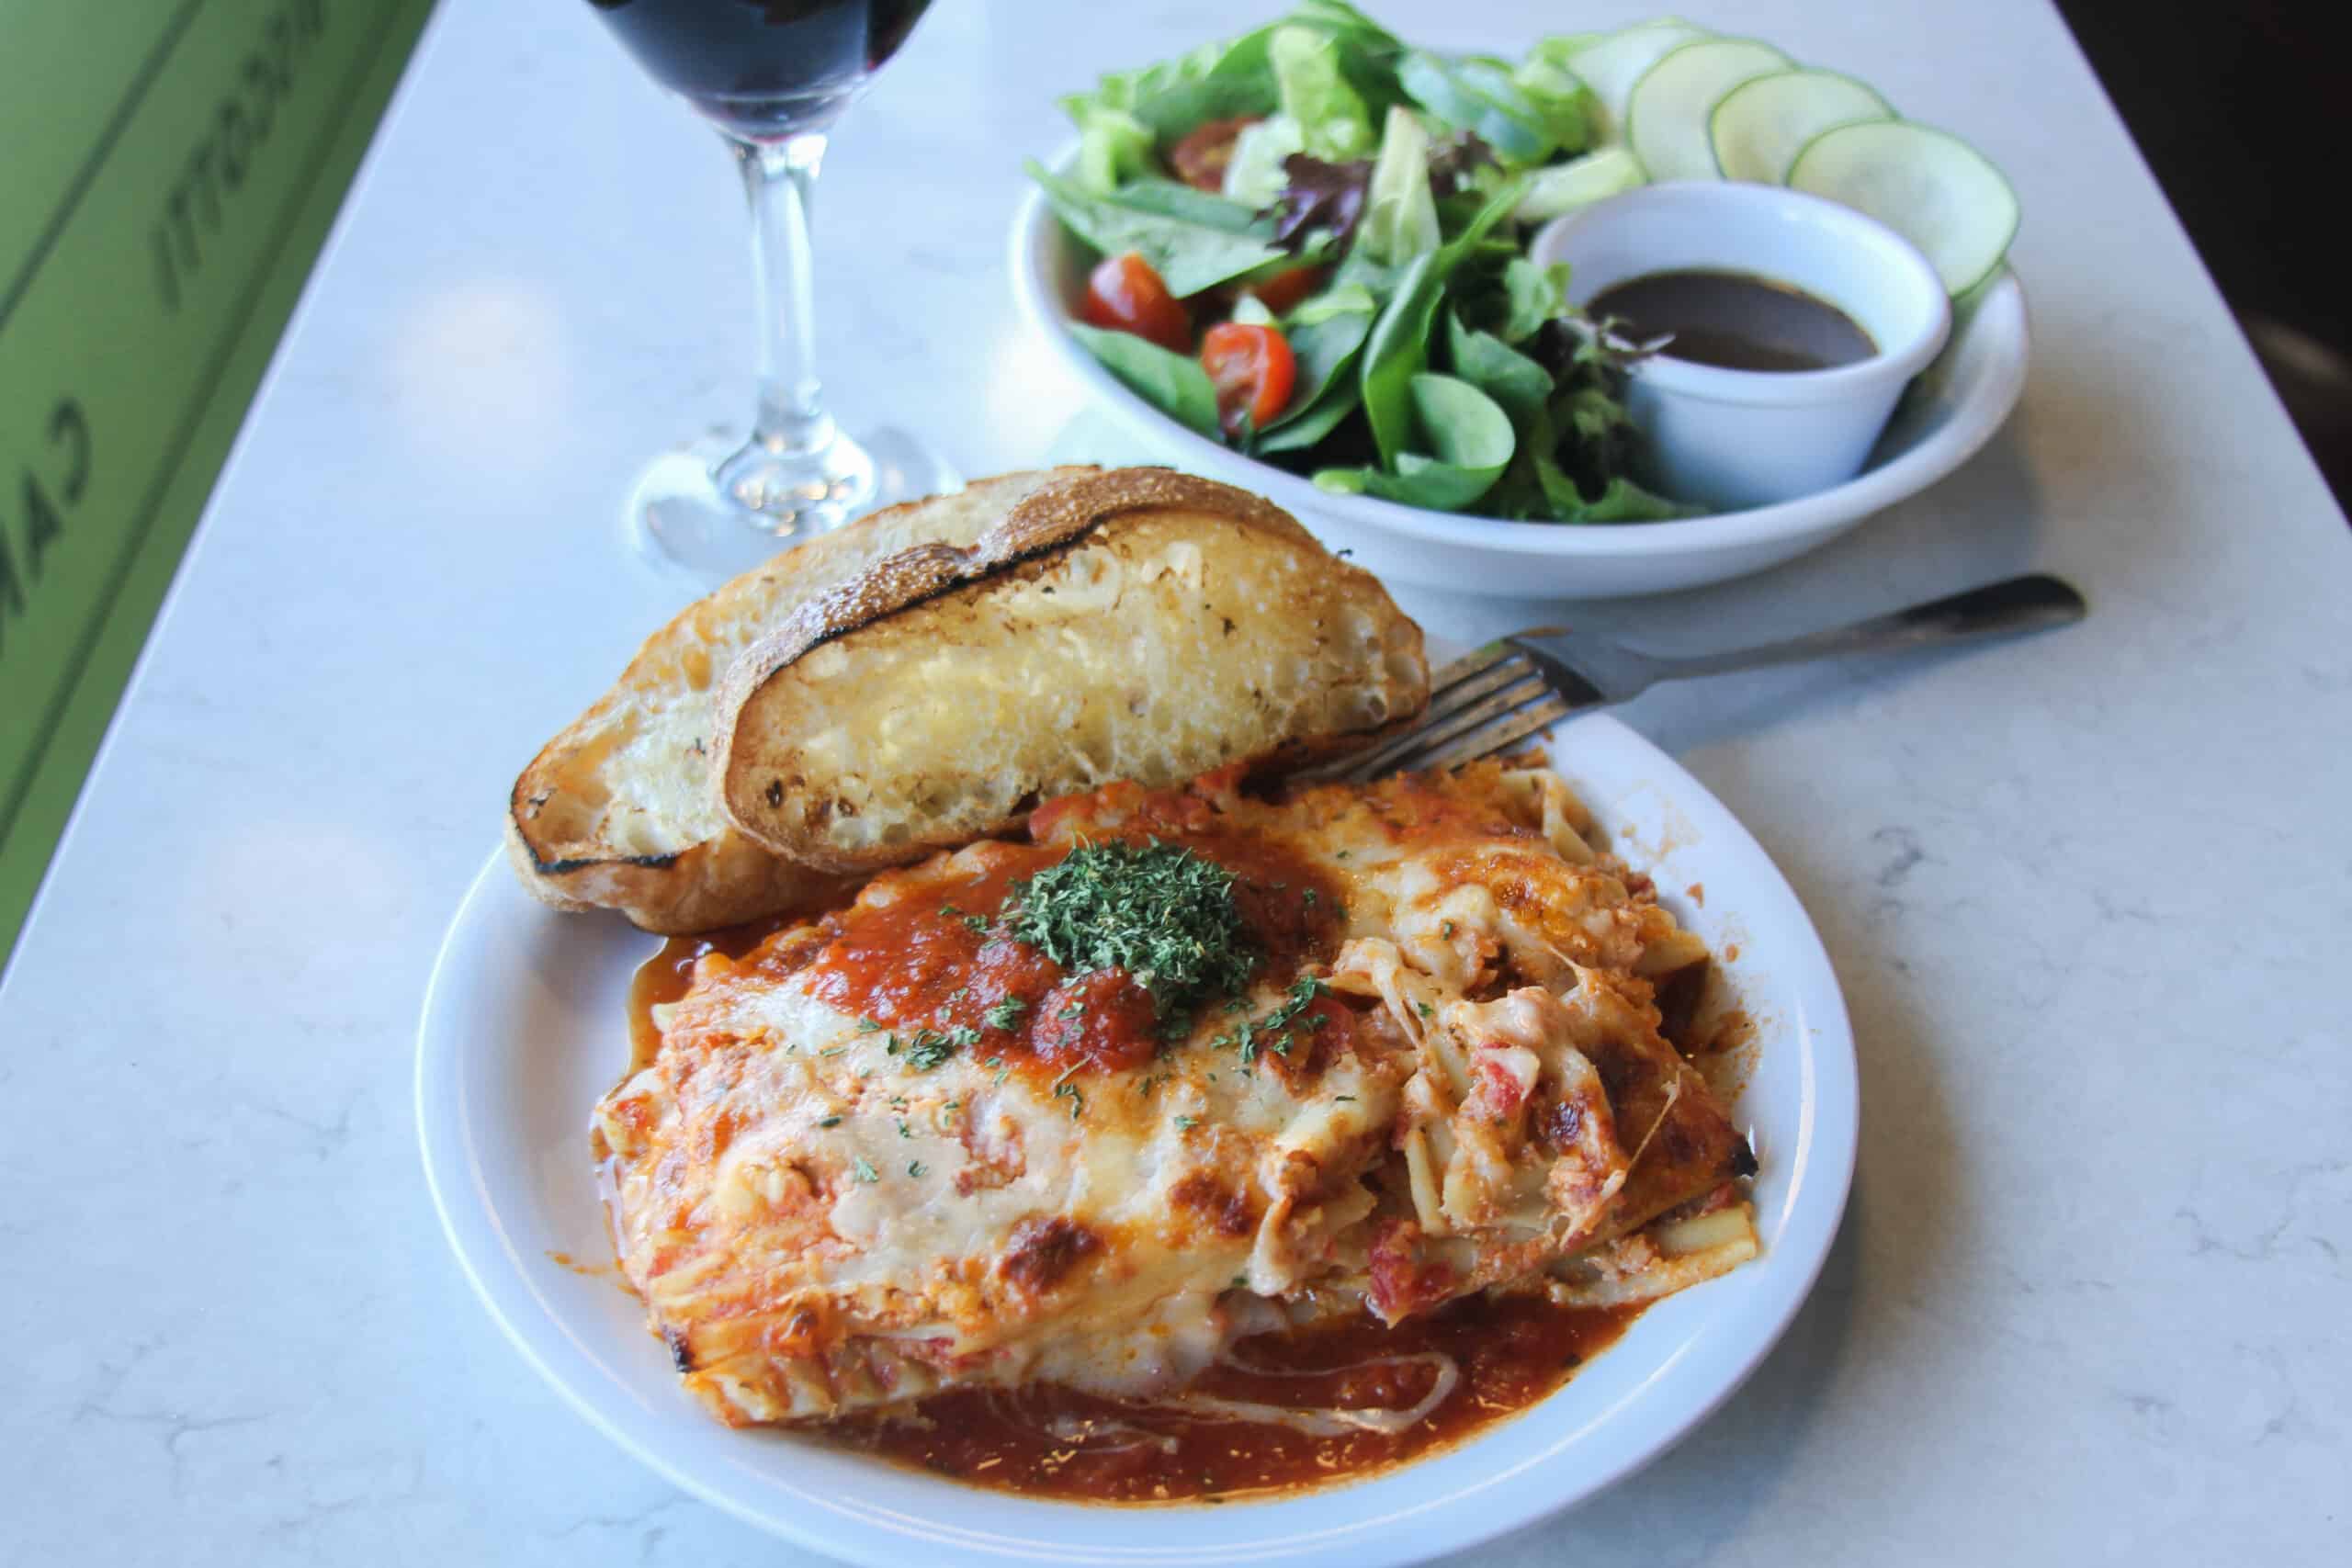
[(1045, 521)]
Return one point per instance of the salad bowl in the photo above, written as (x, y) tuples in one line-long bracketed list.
[(1326, 261), (1953, 408)]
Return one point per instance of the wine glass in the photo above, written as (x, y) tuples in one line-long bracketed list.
[(772, 76)]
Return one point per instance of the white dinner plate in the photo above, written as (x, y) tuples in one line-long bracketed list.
[(524, 1030)]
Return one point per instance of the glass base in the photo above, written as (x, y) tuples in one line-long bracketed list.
[(719, 507)]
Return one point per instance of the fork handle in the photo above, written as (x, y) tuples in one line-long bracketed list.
[(2014, 604)]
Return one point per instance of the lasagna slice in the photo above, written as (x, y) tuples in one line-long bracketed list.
[(1078, 1109)]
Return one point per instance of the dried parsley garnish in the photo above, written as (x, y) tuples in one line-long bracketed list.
[(932, 1048), (1274, 1029), (1161, 913)]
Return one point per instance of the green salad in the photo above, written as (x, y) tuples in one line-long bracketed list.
[(1312, 238), (1312, 249)]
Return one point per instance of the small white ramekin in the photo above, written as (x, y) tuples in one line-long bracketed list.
[(1739, 438)]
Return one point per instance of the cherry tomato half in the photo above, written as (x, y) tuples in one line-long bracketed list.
[(1199, 159), (1284, 290), (1124, 295), (1252, 369)]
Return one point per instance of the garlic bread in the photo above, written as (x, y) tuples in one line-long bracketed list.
[(1136, 624)]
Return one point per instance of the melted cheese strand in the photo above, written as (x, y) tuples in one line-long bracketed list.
[(1329, 1421)]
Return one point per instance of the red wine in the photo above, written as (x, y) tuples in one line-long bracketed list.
[(762, 67)]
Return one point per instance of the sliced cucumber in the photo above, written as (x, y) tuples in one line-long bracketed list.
[(1579, 182), (1927, 186), (1759, 127), (1613, 62), (1666, 119)]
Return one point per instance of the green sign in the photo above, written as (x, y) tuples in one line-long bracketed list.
[(173, 167)]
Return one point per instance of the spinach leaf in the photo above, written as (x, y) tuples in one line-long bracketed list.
[(1340, 299), (1173, 383), (1470, 443), (1304, 424), (1188, 255), (1174, 198), (1586, 408), (1476, 93), (1519, 384), (1464, 427), (1326, 333), (1398, 349)]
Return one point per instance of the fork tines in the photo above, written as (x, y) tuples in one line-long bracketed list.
[(1478, 704)]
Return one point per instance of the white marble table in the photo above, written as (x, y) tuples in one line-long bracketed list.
[(2088, 893)]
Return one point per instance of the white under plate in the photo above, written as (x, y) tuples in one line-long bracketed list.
[(524, 1030)]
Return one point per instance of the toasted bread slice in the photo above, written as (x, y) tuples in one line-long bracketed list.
[(618, 812), (1138, 624)]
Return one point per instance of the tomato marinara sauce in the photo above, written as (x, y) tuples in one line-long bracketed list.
[(940, 960), (1052, 1442)]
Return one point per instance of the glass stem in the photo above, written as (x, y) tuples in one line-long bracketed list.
[(779, 178)]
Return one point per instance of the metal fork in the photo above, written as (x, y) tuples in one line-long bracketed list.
[(1513, 687)]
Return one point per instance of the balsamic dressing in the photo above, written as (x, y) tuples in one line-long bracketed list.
[(1733, 320)]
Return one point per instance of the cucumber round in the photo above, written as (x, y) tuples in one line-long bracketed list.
[(1927, 185), (1666, 117), (1759, 127), (1612, 63)]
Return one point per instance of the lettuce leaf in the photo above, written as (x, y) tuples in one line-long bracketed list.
[(1114, 147), (1563, 187), (1217, 80), (1189, 238), (1400, 213), (1569, 110), (1339, 46), (1330, 116), (1525, 124), (1255, 175)]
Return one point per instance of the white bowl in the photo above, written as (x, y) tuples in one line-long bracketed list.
[(520, 1036), (1952, 409), (1734, 439)]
